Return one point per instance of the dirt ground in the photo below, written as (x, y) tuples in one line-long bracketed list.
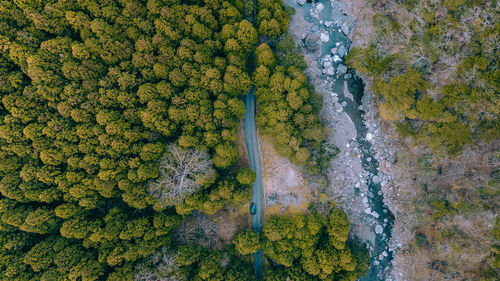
[(286, 191)]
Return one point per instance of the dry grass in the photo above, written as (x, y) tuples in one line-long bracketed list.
[(456, 245)]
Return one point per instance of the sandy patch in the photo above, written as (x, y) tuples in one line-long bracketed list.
[(285, 189)]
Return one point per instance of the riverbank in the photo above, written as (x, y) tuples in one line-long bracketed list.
[(356, 182)]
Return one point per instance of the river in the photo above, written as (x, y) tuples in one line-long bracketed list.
[(324, 21)]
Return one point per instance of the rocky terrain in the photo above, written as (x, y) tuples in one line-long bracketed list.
[(358, 177)]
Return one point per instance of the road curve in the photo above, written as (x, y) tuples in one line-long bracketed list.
[(250, 131)]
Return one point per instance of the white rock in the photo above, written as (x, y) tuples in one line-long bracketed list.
[(369, 211), (347, 145), (327, 64), (375, 214), (334, 51), (369, 136), (379, 229), (300, 2), (328, 23), (330, 70), (369, 159), (377, 263), (365, 200), (335, 99), (320, 7), (341, 51), (336, 58), (384, 253), (324, 36), (342, 69), (345, 28), (344, 104), (380, 257), (338, 107), (337, 44)]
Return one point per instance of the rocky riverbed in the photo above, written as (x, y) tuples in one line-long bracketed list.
[(356, 178)]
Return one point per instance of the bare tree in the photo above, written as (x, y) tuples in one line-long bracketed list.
[(198, 229), (161, 266), (182, 172)]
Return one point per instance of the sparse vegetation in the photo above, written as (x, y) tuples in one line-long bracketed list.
[(434, 68)]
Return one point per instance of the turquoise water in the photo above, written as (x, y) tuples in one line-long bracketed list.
[(379, 268)]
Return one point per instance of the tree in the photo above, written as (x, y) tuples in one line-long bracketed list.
[(245, 176), (182, 172), (247, 242)]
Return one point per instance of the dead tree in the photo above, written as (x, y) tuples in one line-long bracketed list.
[(182, 172)]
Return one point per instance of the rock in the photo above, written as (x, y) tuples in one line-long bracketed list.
[(369, 137), (335, 99), (375, 214), (344, 103), (336, 58), (384, 253), (330, 70), (341, 51), (320, 7), (376, 262), (369, 159), (324, 37), (334, 51), (380, 257), (345, 28), (311, 42), (364, 200), (379, 229), (300, 2), (338, 107), (327, 64), (347, 76), (341, 69), (314, 28), (328, 23)]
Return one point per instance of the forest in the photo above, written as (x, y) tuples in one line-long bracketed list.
[(118, 122), (433, 66)]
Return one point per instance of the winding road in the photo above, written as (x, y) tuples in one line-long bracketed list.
[(250, 131)]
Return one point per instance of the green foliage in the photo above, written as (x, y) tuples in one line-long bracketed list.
[(247, 242), (307, 247), (294, 59), (409, 61), (272, 19), (287, 109), (366, 61), (194, 263), (245, 176), (92, 95)]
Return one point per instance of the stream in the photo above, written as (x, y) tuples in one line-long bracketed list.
[(328, 28)]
